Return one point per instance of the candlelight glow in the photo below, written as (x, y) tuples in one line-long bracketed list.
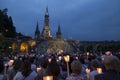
[(60, 58), (99, 70), (67, 58), (88, 53), (12, 61), (48, 78), (38, 69), (49, 59)]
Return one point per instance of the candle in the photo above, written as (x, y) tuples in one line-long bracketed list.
[(38, 69), (99, 70), (47, 77), (76, 57), (67, 58), (60, 58), (49, 59)]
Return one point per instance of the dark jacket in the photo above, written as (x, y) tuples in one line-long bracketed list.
[(108, 75)]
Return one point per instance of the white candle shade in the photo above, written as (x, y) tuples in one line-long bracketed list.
[(67, 58), (47, 77), (12, 61), (49, 59), (38, 69), (99, 70), (88, 53)]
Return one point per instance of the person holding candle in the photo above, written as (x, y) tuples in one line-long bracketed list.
[(53, 69), (76, 67), (91, 74), (112, 65), (43, 66)]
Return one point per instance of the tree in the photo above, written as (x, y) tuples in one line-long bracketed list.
[(6, 24)]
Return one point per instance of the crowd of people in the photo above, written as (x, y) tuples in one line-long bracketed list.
[(81, 67)]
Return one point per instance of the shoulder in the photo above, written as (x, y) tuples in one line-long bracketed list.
[(18, 76), (74, 78), (99, 76)]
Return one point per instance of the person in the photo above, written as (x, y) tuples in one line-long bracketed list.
[(94, 65), (26, 73), (53, 69), (18, 70), (1, 67), (76, 68), (112, 65), (43, 65)]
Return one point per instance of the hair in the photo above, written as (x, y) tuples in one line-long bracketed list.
[(76, 67), (43, 63), (53, 69), (17, 65), (26, 68), (112, 62), (94, 64)]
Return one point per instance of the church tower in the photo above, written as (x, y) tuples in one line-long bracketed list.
[(46, 29), (37, 33), (58, 33)]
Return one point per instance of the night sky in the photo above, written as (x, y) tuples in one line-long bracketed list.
[(89, 20)]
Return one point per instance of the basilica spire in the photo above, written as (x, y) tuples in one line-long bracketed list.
[(47, 14), (37, 32), (46, 34), (58, 33)]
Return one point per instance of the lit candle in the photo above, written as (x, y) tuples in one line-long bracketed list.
[(88, 54), (38, 69), (47, 77), (76, 57), (49, 59), (12, 61), (99, 70), (60, 58), (67, 58)]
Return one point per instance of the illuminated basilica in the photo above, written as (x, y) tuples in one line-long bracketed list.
[(46, 43)]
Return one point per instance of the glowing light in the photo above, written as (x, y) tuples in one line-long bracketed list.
[(67, 58), (48, 78), (99, 70)]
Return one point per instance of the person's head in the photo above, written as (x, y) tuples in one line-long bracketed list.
[(112, 62), (43, 63), (94, 64), (76, 67), (26, 68), (53, 69), (17, 65)]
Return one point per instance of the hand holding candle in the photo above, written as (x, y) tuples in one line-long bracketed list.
[(99, 70), (38, 69), (87, 71)]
